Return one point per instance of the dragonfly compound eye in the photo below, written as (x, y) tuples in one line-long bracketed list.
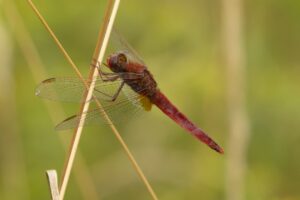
[(122, 58)]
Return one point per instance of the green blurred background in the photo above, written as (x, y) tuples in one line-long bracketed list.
[(182, 44)]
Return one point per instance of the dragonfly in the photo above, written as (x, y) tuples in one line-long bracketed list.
[(126, 89)]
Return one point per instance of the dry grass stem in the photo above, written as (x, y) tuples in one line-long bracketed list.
[(37, 68), (99, 53), (52, 180)]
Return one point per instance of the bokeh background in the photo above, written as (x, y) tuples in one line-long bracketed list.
[(232, 66)]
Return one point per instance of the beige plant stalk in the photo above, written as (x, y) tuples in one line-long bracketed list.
[(103, 39), (38, 69), (234, 55)]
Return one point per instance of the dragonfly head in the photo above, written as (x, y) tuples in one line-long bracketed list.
[(117, 62)]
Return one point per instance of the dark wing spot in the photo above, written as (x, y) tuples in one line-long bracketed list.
[(49, 80)]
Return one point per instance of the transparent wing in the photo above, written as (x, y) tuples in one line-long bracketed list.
[(120, 44), (72, 89), (128, 105)]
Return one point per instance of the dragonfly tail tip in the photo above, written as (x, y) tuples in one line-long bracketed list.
[(217, 148)]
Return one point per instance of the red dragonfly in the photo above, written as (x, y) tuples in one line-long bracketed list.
[(129, 87)]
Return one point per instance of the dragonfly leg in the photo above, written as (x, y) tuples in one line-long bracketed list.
[(106, 78), (105, 94), (98, 65), (118, 91), (112, 97), (104, 75)]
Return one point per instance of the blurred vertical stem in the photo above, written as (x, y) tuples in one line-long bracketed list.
[(13, 180), (234, 55), (37, 69)]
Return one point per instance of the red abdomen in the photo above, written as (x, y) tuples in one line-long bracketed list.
[(162, 102)]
